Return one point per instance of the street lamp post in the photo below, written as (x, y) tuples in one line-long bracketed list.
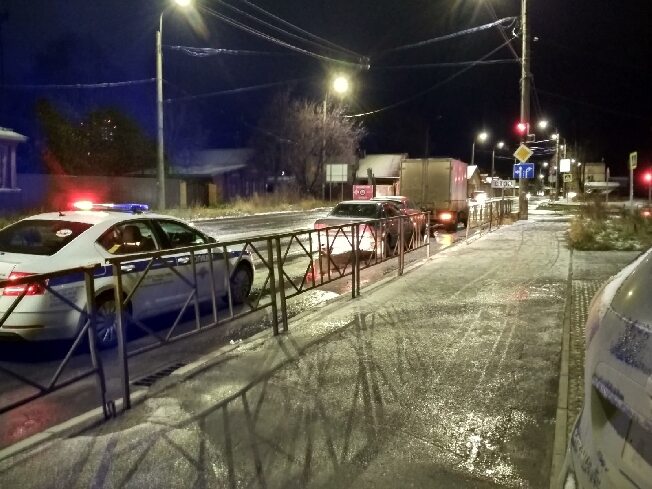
[(160, 148), (481, 137), (340, 85), (499, 145), (525, 99)]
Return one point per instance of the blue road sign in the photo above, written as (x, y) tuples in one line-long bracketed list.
[(524, 170)]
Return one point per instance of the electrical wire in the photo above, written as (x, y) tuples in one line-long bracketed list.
[(287, 45), (447, 65), (283, 31), (432, 88), (233, 91), (206, 52), (298, 29), (80, 85), (594, 106), (494, 15), (453, 35)]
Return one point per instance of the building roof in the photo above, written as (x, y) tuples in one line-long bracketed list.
[(382, 166), (213, 162), (9, 135), (470, 171)]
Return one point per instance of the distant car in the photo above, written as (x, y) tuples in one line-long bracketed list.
[(380, 237), (407, 207), (54, 241), (611, 442)]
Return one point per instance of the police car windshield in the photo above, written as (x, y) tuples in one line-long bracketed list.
[(39, 237)]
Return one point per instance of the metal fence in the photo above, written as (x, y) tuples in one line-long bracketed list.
[(489, 214), (285, 265)]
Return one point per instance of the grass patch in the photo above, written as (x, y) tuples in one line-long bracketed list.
[(255, 205), (595, 230)]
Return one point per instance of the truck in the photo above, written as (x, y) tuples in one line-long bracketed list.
[(439, 186)]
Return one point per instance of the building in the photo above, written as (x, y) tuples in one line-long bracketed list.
[(384, 170), (9, 188)]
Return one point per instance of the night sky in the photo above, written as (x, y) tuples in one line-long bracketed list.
[(591, 67)]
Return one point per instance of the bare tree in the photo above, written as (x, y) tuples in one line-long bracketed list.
[(296, 136)]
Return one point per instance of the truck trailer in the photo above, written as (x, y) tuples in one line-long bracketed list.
[(437, 185)]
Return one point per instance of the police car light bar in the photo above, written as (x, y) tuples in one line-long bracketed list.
[(86, 205)]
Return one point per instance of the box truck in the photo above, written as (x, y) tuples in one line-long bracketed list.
[(437, 185)]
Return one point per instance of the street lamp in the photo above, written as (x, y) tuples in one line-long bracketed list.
[(543, 124), (160, 150), (481, 138), (499, 145), (341, 86)]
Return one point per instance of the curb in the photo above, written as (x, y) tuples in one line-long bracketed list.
[(561, 419)]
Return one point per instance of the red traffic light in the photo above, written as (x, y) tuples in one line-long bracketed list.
[(522, 128), (647, 177)]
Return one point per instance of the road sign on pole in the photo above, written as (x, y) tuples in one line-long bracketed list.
[(633, 160), (524, 170), (568, 177), (523, 153), (498, 183)]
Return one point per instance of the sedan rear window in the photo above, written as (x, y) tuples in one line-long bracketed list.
[(39, 237), (356, 210)]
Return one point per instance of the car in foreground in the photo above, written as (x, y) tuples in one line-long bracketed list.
[(611, 443), (407, 207), (94, 234), (378, 228)]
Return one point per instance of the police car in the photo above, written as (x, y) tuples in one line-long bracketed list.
[(92, 234), (611, 443)]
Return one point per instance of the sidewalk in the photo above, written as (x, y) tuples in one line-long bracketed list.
[(446, 377)]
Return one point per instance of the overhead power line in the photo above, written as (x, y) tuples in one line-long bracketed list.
[(447, 65), (267, 37), (234, 91), (453, 35), (273, 27), (206, 52), (434, 87), (61, 86), (298, 29)]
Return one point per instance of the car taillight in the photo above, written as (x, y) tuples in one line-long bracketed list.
[(646, 213), (445, 216), (37, 288)]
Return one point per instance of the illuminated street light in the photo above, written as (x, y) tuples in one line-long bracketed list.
[(555, 136), (500, 145), (481, 138), (160, 150), (543, 124), (545, 164), (341, 84)]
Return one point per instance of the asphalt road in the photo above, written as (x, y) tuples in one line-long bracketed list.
[(38, 363)]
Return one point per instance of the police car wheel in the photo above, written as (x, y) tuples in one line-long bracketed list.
[(240, 285), (105, 323)]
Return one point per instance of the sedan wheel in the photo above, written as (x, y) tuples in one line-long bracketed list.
[(240, 285), (105, 324)]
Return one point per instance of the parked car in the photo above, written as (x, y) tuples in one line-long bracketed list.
[(408, 208), (54, 241), (378, 230), (611, 442)]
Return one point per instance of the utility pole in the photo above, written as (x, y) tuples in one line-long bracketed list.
[(525, 101), (160, 151)]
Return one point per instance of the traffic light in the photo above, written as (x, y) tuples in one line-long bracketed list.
[(522, 128), (647, 177)]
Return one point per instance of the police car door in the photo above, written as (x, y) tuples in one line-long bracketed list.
[(151, 296), (179, 235)]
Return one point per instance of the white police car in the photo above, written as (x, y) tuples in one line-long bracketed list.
[(92, 234), (611, 443)]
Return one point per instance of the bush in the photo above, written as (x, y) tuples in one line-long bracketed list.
[(596, 230)]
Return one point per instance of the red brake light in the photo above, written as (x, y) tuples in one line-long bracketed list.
[(646, 213), (445, 216), (37, 288)]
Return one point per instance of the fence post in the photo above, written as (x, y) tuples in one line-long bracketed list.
[(272, 285), (281, 285), (354, 257), (92, 338), (401, 245), (491, 214), (122, 335), (427, 236)]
